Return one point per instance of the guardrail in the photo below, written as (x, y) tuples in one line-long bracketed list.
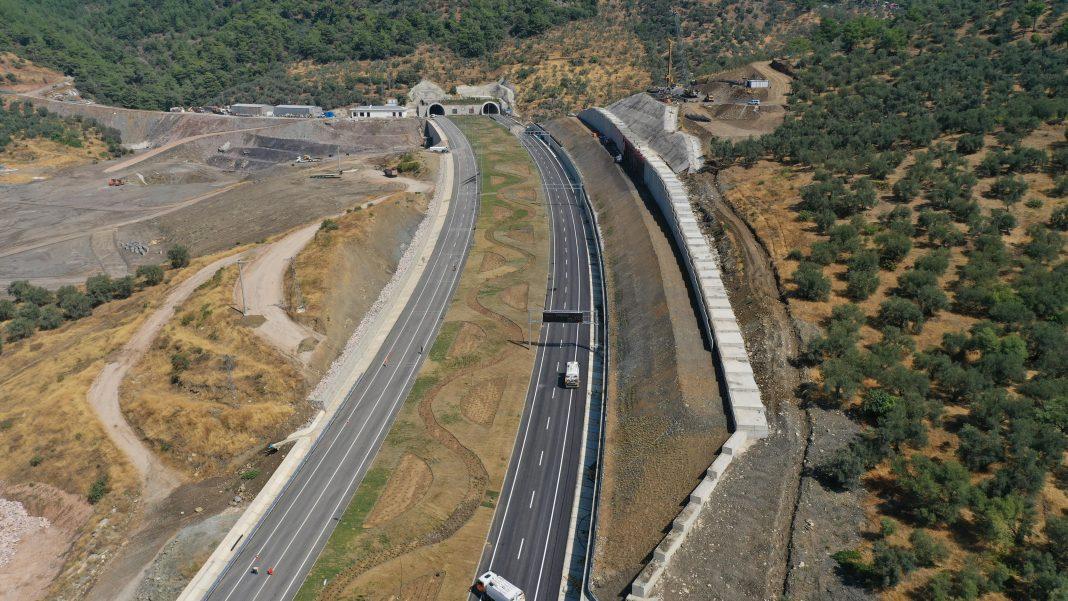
[(589, 493), (717, 319)]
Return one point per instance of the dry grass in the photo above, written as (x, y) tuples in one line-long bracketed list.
[(28, 76), (204, 417), (315, 265), (570, 67), (766, 196), (40, 158), (49, 434), (430, 550), (407, 484), (336, 278)]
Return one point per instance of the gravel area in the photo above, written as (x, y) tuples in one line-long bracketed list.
[(15, 524), (368, 325)]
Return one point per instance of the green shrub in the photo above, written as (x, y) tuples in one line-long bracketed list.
[(928, 550), (150, 274), (98, 489), (250, 474), (178, 256), (99, 288), (328, 225), (811, 283), (50, 318), (7, 309), (20, 328)]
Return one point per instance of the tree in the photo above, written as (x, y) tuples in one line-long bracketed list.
[(1059, 219), (99, 287), (927, 550), (150, 274), (890, 563), (979, 449), (19, 328), (1008, 189), (24, 292), (1003, 522), (122, 287), (932, 491), (811, 283), (841, 377), (1045, 244), (893, 247), (861, 284), (900, 313), (178, 256), (50, 318), (74, 304), (7, 309)]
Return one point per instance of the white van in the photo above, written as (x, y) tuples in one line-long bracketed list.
[(571, 375), (494, 587)]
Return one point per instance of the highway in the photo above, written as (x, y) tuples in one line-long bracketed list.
[(528, 537), (293, 532)]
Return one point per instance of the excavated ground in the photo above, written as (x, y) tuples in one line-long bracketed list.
[(665, 420), (767, 509), (207, 182)]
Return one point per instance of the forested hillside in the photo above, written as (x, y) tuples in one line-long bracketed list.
[(162, 53), (934, 140)]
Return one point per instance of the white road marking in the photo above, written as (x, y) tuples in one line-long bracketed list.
[(315, 503), (520, 554), (540, 457), (549, 419), (531, 500)]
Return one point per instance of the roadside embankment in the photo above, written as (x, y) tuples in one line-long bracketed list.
[(341, 377), (701, 263), (660, 376)]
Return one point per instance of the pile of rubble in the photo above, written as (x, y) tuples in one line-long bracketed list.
[(135, 247), (14, 524)]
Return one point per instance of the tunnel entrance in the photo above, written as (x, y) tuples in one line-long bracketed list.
[(436, 109), (491, 108)]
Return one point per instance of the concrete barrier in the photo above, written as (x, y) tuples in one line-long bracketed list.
[(702, 269), (342, 376), (717, 318)]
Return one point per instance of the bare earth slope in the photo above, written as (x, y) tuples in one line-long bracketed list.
[(665, 415)]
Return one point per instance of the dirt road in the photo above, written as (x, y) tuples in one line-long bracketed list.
[(161, 149), (159, 479), (780, 82), (263, 288), (410, 184)]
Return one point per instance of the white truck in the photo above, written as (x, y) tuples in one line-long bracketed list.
[(495, 588), (571, 375), (439, 149)]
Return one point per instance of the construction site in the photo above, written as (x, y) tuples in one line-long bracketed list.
[(295, 231), (301, 232)]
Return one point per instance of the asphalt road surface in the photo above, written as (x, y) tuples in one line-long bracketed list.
[(293, 532), (528, 538)]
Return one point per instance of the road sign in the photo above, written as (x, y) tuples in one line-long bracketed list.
[(562, 316)]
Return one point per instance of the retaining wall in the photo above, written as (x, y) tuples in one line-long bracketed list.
[(656, 124), (716, 317)]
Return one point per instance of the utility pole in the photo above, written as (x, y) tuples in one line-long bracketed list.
[(241, 280)]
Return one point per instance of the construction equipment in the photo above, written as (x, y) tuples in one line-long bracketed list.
[(390, 172)]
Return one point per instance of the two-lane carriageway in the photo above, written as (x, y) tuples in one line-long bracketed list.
[(292, 533), (527, 542)]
